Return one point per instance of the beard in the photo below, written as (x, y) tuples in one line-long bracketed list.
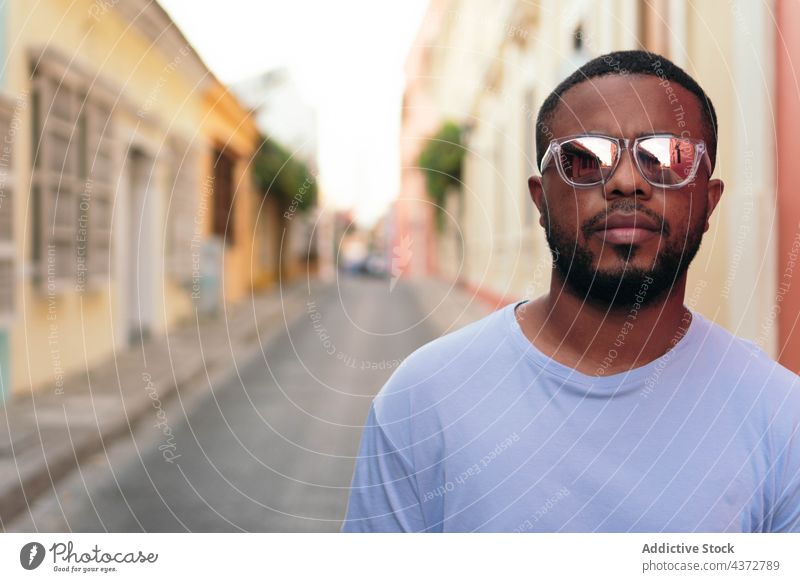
[(620, 289)]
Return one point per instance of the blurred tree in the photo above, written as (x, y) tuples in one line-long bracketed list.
[(287, 178), (292, 186), (442, 160)]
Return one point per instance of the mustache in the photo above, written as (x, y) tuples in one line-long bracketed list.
[(626, 206)]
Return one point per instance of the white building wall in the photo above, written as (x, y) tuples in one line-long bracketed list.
[(498, 62)]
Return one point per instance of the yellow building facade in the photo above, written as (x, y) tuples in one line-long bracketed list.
[(124, 143)]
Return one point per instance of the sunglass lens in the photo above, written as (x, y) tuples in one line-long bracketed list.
[(666, 160), (588, 160)]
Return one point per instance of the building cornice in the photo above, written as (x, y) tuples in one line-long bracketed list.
[(152, 21)]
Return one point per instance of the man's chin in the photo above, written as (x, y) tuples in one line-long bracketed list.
[(617, 290), (620, 282)]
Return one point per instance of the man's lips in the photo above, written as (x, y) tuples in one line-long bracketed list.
[(627, 235), (627, 228)]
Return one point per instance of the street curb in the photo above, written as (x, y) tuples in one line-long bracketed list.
[(38, 478)]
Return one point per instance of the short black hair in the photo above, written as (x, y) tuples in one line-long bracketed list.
[(635, 62)]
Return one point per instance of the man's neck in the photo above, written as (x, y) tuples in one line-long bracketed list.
[(599, 342)]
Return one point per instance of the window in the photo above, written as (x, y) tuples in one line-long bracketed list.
[(499, 187), (529, 123), (72, 183), (577, 39), (654, 26), (7, 262), (224, 220)]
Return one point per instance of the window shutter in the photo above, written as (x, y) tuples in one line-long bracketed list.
[(72, 183), (54, 184), (7, 189), (99, 193), (184, 227)]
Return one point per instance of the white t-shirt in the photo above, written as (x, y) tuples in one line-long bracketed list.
[(480, 431)]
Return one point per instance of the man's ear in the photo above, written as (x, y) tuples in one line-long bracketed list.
[(713, 193), (537, 193)]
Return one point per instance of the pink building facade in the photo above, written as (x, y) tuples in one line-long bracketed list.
[(787, 92)]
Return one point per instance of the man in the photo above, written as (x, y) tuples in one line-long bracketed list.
[(606, 404)]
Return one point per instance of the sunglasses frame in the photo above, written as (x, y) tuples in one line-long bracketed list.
[(554, 152)]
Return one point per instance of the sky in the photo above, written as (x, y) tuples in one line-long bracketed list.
[(347, 58)]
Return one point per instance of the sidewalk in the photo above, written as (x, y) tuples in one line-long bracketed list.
[(44, 436), (450, 306)]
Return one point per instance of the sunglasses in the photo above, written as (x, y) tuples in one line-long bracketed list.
[(665, 161)]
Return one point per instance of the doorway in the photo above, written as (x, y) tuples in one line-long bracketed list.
[(139, 270)]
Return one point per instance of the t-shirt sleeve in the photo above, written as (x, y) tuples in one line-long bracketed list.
[(383, 495), (785, 471), (787, 508)]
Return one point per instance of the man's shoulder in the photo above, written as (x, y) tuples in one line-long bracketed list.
[(448, 354), (470, 337), (745, 358)]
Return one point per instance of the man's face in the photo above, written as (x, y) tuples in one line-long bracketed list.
[(585, 254)]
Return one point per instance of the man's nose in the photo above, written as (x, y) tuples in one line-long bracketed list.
[(627, 180)]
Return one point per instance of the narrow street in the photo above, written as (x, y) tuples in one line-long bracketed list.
[(270, 446)]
